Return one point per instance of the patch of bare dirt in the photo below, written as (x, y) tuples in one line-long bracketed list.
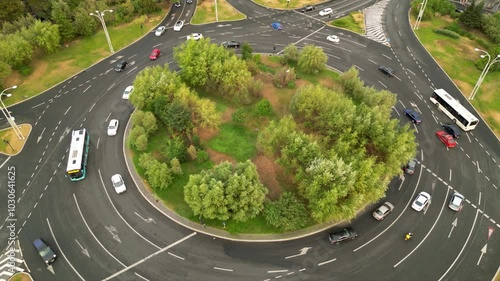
[(218, 157), (227, 115), (269, 173)]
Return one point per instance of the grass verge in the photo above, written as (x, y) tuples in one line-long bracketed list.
[(76, 56), (284, 4), (457, 57), (205, 12), (354, 22)]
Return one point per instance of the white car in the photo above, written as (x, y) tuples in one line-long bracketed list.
[(421, 201), (178, 25), (112, 127), (118, 183), (160, 30), (326, 12), (456, 202), (127, 92), (333, 38), (195, 36)]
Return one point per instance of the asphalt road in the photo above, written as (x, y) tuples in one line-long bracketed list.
[(99, 234)]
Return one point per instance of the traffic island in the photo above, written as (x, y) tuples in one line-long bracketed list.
[(21, 276), (10, 143)]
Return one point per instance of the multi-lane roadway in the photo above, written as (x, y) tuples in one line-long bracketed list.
[(100, 235)]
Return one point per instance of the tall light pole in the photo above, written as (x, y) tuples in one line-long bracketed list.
[(7, 115), (420, 14), (485, 71), (100, 16)]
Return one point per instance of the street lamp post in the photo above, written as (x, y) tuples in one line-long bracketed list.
[(485, 71), (420, 15), (8, 142), (100, 16), (7, 115)]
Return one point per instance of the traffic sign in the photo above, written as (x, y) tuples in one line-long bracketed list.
[(490, 231)]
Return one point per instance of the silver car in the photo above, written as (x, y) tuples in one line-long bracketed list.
[(383, 211), (456, 202)]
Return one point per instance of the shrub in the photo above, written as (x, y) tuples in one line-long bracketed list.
[(447, 33), (239, 115), (192, 152), (202, 156), (255, 88), (253, 67), (25, 70), (287, 213), (291, 85), (264, 108), (175, 166), (176, 149)]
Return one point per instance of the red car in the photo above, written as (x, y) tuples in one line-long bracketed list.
[(446, 138), (155, 54)]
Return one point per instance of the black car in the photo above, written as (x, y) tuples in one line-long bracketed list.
[(452, 130), (410, 167), (45, 251), (308, 8), (177, 4), (414, 116), (121, 66), (231, 44), (386, 70), (341, 236)]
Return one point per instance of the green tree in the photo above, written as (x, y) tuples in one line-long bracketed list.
[(177, 117), (473, 16), (42, 35), (145, 160), (61, 14), (290, 54), (312, 59), (5, 70), (159, 175), (287, 213), (492, 27), (84, 23), (145, 119), (11, 10), (175, 166), (15, 50), (226, 192), (192, 152), (246, 51), (138, 138), (145, 6), (176, 148)]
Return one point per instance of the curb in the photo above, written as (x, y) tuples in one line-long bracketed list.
[(21, 273), (449, 78), (24, 143)]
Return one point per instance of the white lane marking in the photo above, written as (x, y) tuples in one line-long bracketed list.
[(223, 269), (173, 255), (38, 105), (277, 271), (93, 235), (86, 89), (4, 162), (61, 251), (325, 262), (92, 107), (118, 213), (387, 56), (150, 256), (304, 38), (67, 110), (144, 278)]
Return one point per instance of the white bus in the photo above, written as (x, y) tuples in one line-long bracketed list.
[(452, 107), (78, 154)]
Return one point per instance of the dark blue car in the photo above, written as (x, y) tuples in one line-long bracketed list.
[(414, 116), (277, 26), (45, 251)]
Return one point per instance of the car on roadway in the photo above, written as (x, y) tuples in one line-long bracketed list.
[(178, 25), (459, 10), (421, 201), (189, 1), (118, 183), (155, 54), (386, 70), (456, 202), (45, 251), (276, 25), (413, 115), (410, 167), (346, 234), (452, 130), (160, 30), (177, 4), (231, 44), (308, 8), (127, 92), (194, 36), (333, 38), (120, 66), (113, 127), (383, 211), (326, 12), (446, 138)]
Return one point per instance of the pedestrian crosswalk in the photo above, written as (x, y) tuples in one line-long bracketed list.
[(374, 22), (11, 262)]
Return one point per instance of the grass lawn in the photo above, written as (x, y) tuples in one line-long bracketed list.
[(354, 22), (235, 140), (20, 277), (205, 12), (282, 4), (457, 57), (78, 55)]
